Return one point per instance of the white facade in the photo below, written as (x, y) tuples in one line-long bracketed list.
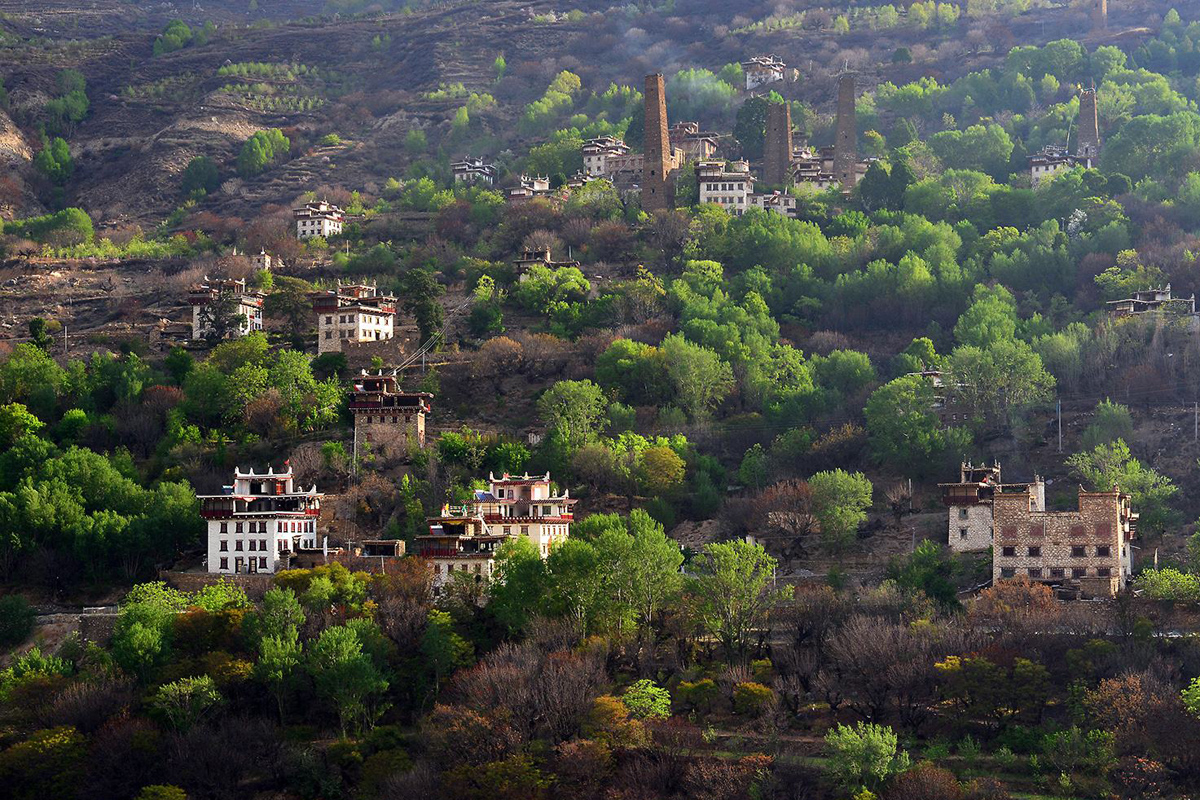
[(249, 309), (729, 188), (465, 538), (596, 153), (473, 170), (318, 219), (258, 521), (353, 313), (761, 70)]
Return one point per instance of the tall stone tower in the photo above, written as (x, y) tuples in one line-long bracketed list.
[(777, 145), (656, 169), (1099, 14), (845, 152), (1088, 143)]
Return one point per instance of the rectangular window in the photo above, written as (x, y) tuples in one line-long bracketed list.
[(1104, 572), (1035, 572), (1007, 572), (1078, 552), (1008, 552), (1103, 551), (237, 527), (507, 530), (1078, 572), (962, 513), (262, 562), (1035, 552), (262, 545), (1057, 572), (224, 563), (524, 530), (237, 545), (224, 527), (224, 546)]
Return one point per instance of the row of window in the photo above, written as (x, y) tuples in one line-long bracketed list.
[(728, 200), (303, 526), (437, 568), (1057, 572), (261, 563), (1078, 551), (255, 544), (725, 187)]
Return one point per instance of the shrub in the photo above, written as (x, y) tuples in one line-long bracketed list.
[(161, 792), (16, 620), (699, 695), (751, 698), (647, 700), (864, 756), (47, 764), (924, 782)]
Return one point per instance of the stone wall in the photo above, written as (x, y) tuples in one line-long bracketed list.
[(656, 183), (255, 586), (845, 153), (97, 627), (777, 144), (975, 521), (1040, 544)]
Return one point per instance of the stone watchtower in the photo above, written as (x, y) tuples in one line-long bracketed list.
[(777, 145), (1088, 144), (845, 152), (656, 170), (1099, 14)]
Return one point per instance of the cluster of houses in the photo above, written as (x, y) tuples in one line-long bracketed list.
[(1086, 551), (1054, 158)]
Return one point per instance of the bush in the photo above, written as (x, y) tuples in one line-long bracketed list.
[(699, 695), (261, 150), (201, 176), (647, 700), (16, 620), (864, 756), (751, 698), (161, 792)]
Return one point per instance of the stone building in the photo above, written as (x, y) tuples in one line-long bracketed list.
[(353, 313), (1087, 550), (969, 505), (465, 538), (1100, 14), (318, 219), (657, 185), (529, 187), (263, 261), (728, 186), (259, 521), (763, 70), (845, 153), (202, 298), (777, 145), (541, 258), (689, 143), (473, 170), (596, 153), (1087, 146), (385, 416)]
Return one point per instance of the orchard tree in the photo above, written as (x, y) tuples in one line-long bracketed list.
[(345, 676), (572, 410), (840, 502)]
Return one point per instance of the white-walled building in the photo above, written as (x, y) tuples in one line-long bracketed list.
[(353, 313), (529, 187), (473, 170), (762, 70), (969, 503), (728, 186), (318, 219), (263, 260), (259, 521), (596, 153), (465, 538), (249, 306)]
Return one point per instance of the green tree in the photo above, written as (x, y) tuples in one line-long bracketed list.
[(840, 501), (1112, 465), (345, 676), (54, 161), (176, 36), (734, 585), (865, 756), (647, 700), (991, 318), (17, 618), (279, 657), (443, 649), (700, 378), (185, 702), (499, 67), (1110, 422), (15, 422), (261, 150), (573, 410), (200, 177), (901, 424), (420, 290), (38, 334), (750, 127)]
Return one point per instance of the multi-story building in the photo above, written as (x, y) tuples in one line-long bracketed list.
[(529, 187), (693, 143), (465, 538), (258, 522), (353, 313), (969, 505), (1088, 549), (541, 258), (203, 299), (263, 260), (596, 153), (783, 204), (473, 170), (813, 168), (1151, 300), (729, 186), (762, 70), (386, 416), (318, 219)]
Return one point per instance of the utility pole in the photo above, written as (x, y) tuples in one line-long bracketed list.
[(1059, 409)]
